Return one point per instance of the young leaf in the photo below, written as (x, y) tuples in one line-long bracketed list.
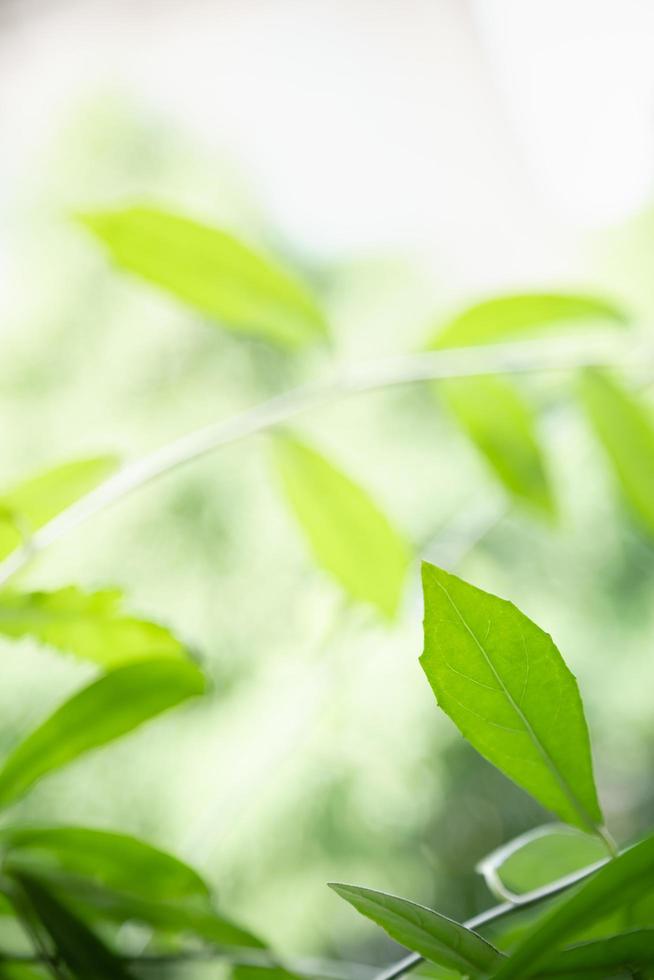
[(591, 960), (504, 317), (630, 876), (212, 272), (505, 685), (85, 955), (502, 425), (433, 936), (90, 625), (30, 504), (108, 708), (626, 430), (114, 861), (347, 533)]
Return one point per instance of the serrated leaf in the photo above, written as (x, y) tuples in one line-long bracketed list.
[(115, 704), (30, 504), (77, 947), (627, 878), (502, 426), (503, 682), (350, 537), (111, 860), (90, 625), (625, 428), (590, 961), (211, 271), (505, 317), (428, 933)]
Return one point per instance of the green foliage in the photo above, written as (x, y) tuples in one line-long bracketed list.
[(502, 681), (434, 936), (348, 534), (108, 708), (627, 951), (212, 272), (89, 625)]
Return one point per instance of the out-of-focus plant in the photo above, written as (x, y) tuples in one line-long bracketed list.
[(497, 675)]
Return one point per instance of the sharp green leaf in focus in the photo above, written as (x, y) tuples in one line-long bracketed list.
[(591, 960), (89, 625), (433, 936), (115, 861), (502, 425), (350, 537), (503, 682), (30, 504), (615, 886), (211, 271), (108, 708), (76, 946), (625, 428)]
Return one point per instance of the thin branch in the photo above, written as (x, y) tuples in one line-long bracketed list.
[(533, 356)]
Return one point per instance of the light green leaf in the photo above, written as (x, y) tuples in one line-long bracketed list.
[(212, 272), (109, 707), (112, 860), (502, 426), (243, 971), (624, 427), (505, 685), (590, 961), (30, 504), (537, 858), (348, 534), (77, 947), (433, 936), (506, 317), (627, 878), (90, 625)]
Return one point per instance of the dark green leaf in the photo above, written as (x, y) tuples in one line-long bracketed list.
[(90, 625), (348, 534), (505, 685), (434, 936), (30, 504), (108, 708), (212, 272), (627, 878), (629, 950), (625, 429)]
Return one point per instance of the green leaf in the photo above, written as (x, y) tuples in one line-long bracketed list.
[(112, 860), (434, 936), (591, 960), (624, 427), (212, 272), (90, 625), (620, 882), (108, 708), (505, 317), (505, 685), (537, 858), (30, 504), (243, 971), (85, 955), (502, 426), (348, 534)]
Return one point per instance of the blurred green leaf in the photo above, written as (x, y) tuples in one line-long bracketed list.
[(30, 504), (90, 625), (624, 427), (115, 861), (85, 955), (590, 961), (506, 687), (539, 857), (434, 936), (20, 971), (212, 272), (108, 708), (502, 425), (506, 317), (623, 880), (348, 534), (242, 971)]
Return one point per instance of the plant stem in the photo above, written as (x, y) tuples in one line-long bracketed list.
[(532, 356)]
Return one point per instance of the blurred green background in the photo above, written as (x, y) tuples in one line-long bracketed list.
[(319, 754)]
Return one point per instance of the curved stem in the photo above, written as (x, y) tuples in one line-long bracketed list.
[(532, 356)]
